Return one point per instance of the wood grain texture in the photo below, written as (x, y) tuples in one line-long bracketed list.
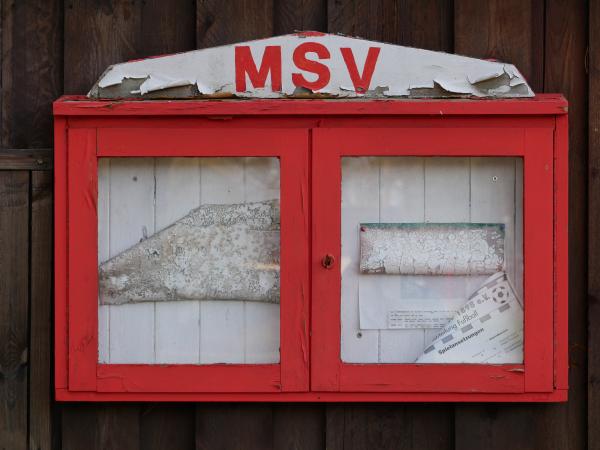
[(511, 31), (98, 34), (387, 427), (219, 23), (14, 308), (167, 427), (299, 15), (167, 27), (298, 427), (215, 425), (26, 159), (565, 71), (101, 427), (416, 23), (31, 70), (40, 393), (593, 369)]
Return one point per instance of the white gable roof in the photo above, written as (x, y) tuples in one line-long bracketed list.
[(311, 64)]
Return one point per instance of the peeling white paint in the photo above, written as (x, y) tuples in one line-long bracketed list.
[(431, 248), (216, 252), (398, 72)]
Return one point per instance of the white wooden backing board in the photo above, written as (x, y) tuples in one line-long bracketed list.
[(412, 190), (138, 197)]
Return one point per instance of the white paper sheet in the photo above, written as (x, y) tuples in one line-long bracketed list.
[(411, 301), (488, 329)]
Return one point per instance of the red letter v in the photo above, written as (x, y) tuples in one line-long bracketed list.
[(361, 82)]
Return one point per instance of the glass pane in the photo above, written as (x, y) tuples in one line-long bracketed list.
[(432, 260), (188, 260)]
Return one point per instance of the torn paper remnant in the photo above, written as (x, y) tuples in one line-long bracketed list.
[(488, 329), (431, 248), (216, 252)]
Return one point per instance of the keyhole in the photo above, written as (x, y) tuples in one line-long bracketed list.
[(328, 261)]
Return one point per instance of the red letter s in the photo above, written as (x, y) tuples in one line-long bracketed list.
[(321, 70)]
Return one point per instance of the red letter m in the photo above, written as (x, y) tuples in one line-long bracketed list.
[(244, 64)]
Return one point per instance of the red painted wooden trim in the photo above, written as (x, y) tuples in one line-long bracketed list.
[(189, 378), (60, 253), (295, 238), (441, 378), (561, 238), (151, 142), (326, 287), (434, 142), (388, 397), (83, 256), (538, 243), (309, 122), (328, 372), (549, 104)]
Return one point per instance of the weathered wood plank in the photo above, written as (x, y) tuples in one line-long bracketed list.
[(31, 70), (167, 427), (299, 427), (565, 71), (40, 393), (219, 23), (26, 159), (417, 23), (100, 427), (234, 426), (97, 35), (296, 15), (510, 31), (387, 427), (14, 291), (167, 27), (593, 370)]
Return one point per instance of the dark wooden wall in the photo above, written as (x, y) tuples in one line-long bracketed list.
[(50, 47)]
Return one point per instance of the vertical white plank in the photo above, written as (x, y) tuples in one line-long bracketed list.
[(447, 199), (177, 189), (261, 319), (177, 332), (132, 333), (103, 253), (493, 200), (262, 333), (222, 180), (177, 323), (402, 200), (360, 203), (131, 220), (222, 334), (518, 280), (103, 333), (262, 179), (447, 190)]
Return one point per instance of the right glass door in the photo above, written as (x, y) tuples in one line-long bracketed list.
[(432, 265)]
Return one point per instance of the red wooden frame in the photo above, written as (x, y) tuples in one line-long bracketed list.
[(535, 129)]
